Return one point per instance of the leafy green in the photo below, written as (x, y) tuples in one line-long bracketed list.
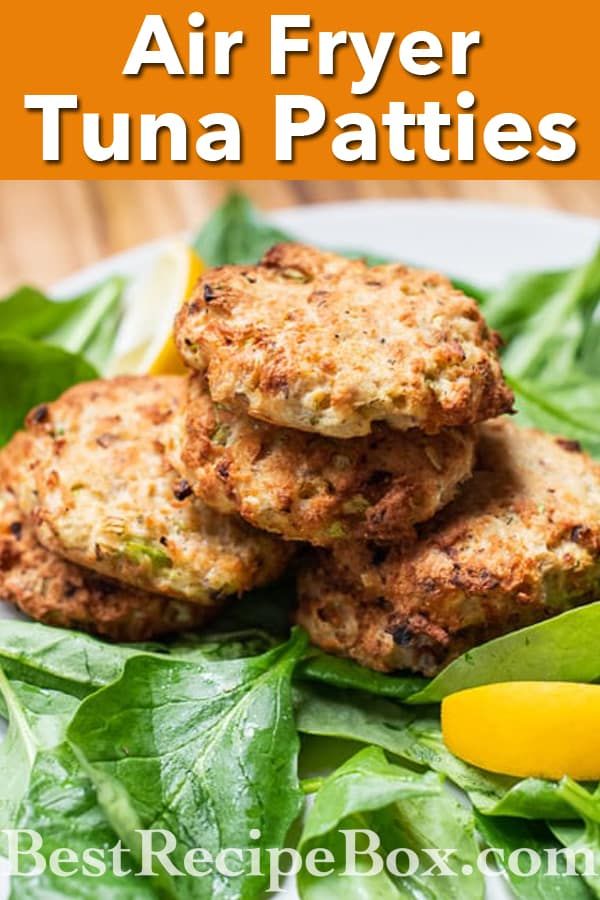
[(571, 409), (509, 307), (46, 346), (345, 673), (236, 234), (77, 664), (84, 325), (510, 835), (551, 324), (17, 753), (47, 791), (208, 753), (404, 810), (564, 648), (92, 327), (351, 715), (491, 794), (32, 373), (557, 322), (216, 645), (582, 840), (29, 313)]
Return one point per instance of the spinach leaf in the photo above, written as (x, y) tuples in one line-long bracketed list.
[(560, 649), (29, 313), (570, 409), (55, 658), (32, 373), (538, 341), (236, 234), (582, 840), (509, 835), (44, 789), (345, 673), (351, 715), (85, 325), (77, 664), (551, 323), (490, 793), (509, 307), (17, 754), (47, 346), (403, 810), (91, 328), (218, 645), (207, 753)]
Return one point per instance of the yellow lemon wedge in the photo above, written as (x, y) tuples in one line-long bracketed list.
[(526, 728), (145, 341)]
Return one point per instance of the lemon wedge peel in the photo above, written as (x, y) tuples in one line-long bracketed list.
[(145, 341), (168, 361), (526, 729)]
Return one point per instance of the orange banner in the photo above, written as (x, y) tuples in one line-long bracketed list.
[(305, 90)]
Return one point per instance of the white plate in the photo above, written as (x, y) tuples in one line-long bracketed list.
[(482, 243)]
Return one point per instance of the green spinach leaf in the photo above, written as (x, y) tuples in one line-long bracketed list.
[(508, 836), (570, 409), (32, 373), (401, 809), (345, 673), (85, 325), (560, 649), (45, 790), (236, 234), (207, 753), (536, 345), (582, 839), (29, 313), (92, 327), (77, 664)]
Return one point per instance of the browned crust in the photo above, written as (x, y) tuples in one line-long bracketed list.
[(521, 543), (59, 593), (109, 499), (307, 487), (314, 341)]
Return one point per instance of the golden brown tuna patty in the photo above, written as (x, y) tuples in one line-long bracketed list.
[(314, 341), (521, 543), (108, 498), (59, 593), (307, 487)]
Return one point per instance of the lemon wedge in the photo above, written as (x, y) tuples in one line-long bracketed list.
[(526, 729), (145, 341)]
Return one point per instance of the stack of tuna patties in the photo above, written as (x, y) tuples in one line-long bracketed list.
[(98, 529), (348, 410), (341, 405)]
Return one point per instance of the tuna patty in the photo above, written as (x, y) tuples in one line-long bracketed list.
[(307, 487), (108, 499), (314, 341), (59, 593), (521, 543)]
